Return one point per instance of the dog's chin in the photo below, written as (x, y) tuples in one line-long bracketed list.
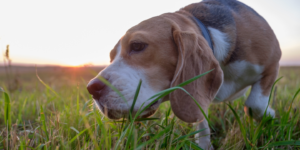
[(118, 114), (148, 114)]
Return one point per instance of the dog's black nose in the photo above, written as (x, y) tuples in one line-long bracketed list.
[(94, 87)]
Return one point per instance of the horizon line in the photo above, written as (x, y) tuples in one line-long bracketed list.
[(281, 63)]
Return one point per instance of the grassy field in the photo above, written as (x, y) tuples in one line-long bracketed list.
[(58, 113)]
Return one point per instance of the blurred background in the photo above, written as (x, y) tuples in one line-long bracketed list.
[(69, 42), (76, 33)]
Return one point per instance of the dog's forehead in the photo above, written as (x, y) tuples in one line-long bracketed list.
[(156, 25), (157, 34)]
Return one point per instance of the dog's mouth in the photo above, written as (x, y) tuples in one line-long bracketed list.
[(105, 111), (118, 114)]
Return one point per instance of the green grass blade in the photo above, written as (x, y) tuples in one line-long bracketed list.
[(22, 145), (76, 136), (272, 89), (158, 96), (164, 92), (40, 146), (146, 119), (194, 78), (135, 98), (121, 137), (21, 110), (85, 105), (290, 107), (243, 131), (43, 120), (46, 85), (77, 103), (129, 139), (260, 127), (194, 145), (169, 90), (295, 95), (74, 129), (284, 143), (7, 109), (131, 135), (112, 87), (167, 116), (157, 136), (204, 114), (185, 136), (251, 125), (181, 144)]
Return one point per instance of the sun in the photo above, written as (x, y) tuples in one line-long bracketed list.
[(74, 62)]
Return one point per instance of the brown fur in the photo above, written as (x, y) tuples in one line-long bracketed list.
[(250, 36), (177, 47), (195, 57)]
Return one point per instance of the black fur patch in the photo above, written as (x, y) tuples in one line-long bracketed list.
[(218, 14), (213, 13)]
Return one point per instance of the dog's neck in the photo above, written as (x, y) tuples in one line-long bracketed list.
[(204, 32)]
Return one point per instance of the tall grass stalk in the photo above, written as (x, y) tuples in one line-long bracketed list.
[(7, 109)]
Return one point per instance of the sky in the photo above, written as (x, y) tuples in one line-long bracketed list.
[(71, 33)]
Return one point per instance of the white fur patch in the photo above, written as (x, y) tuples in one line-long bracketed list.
[(258, 102), (126, 79), (221, 46), (203, 137), (237, 76)]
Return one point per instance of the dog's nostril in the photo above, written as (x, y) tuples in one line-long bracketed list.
[(95, 86)]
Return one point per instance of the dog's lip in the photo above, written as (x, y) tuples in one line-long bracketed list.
[(105, 111), (147, 113), (96, 96)]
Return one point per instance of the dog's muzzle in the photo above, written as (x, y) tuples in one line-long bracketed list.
[(95, 87), (109, 106)]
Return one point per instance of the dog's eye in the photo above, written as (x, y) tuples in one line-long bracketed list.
[(137, 46)]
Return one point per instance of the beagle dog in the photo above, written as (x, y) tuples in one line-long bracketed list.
[(164, 51)]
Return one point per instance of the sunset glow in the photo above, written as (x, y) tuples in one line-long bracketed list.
[(73, 33)]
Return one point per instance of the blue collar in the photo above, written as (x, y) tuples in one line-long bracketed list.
[(205, 32)]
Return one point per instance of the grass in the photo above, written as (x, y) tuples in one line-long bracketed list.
[(55, 111)]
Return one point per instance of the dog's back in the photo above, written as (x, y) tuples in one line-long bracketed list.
[(247, 31)]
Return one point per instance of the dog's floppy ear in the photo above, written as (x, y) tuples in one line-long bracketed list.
[(194, 58)]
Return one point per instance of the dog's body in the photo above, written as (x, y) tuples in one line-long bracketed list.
[(168, 49)]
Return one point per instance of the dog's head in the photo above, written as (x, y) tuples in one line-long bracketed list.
[(163, 52)]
